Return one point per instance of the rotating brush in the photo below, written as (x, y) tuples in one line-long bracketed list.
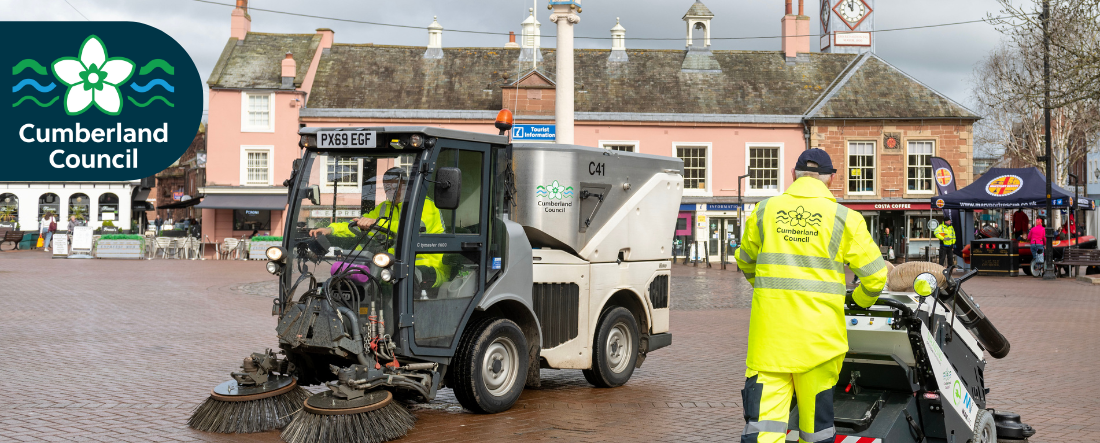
[(255, 401), (372, 418)]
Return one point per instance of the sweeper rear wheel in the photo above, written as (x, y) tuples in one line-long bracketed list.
[(372, 418)]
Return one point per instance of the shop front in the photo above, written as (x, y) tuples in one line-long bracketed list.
[(241, 216), (900, 225)]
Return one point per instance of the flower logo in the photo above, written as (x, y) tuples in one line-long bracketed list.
[(555, 191), (92, 77), (799, 217)]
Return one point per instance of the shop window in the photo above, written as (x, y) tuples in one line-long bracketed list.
[(918, 227), (695, 166), (79, 205), (256, 165), (257, 114), (861, 168), (764, 168), (919, 177), (342, 171), (9, 209), (623, 146), (251, 220), (49, 203), (108, 207)]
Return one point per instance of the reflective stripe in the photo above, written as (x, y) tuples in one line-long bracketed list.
[(869, 293), (797, 284), (765, 426), (838, 230), (802, 261), (745, 256), (749, 275), (869, 269), (760, 220), (819, 436)]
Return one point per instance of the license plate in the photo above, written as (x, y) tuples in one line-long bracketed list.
[(347, 139)]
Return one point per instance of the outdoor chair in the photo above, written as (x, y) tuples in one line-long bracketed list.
[(228, 246), (162, 244)]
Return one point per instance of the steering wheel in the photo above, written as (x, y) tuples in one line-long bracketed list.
[(353, 226)]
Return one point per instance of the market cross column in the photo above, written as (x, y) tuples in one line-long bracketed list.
[(563, 106)]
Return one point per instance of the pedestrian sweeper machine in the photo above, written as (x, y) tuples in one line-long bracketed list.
[(915, 369), (415, 258)]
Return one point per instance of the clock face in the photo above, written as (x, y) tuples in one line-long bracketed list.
[(852, 12)]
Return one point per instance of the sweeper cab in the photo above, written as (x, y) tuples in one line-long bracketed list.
[(417, 257), (915, 370)]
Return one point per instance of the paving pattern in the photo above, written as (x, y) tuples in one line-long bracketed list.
[(100, 350)]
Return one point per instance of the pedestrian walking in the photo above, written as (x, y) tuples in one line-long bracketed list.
[(46, 228), (793, 253), (158, 223), (1036, 238), (946, 233)]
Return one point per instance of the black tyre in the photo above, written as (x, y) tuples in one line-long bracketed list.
[(985, 428), (615, 351), (490, 366)]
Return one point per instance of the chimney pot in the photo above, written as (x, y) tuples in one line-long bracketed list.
[(511, 36), (801, 7), (789, 11)]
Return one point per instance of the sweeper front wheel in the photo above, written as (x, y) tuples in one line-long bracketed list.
[(490, 366)]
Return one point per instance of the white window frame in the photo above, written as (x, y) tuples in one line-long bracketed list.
[(245, 149), (908, 145), (326, 186), (780, 184), (607, 144), (245, 125), (708, 191), (849, 167)]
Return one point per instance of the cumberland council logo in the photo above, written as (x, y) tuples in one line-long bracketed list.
[(554, 191), (96, 101)]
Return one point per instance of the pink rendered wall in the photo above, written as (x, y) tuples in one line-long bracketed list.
[(728, 144), (226, 138)]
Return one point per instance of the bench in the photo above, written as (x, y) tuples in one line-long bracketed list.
[(11, 236), (1079, 257)]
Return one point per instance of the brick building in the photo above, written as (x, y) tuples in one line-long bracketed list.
[(177, 190), (726, 113)]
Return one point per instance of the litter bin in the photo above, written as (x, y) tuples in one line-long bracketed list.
[(995, 256)]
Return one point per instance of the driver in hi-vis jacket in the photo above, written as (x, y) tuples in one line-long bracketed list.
[(793, 253), (394, 181)]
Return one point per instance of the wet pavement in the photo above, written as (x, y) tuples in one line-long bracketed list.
[(101, 350)]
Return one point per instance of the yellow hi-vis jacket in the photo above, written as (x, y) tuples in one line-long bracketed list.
[(793, 253), (946, 234), (430, 220)]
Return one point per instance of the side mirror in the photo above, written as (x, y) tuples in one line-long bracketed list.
[(925, 284), (296, 165), (448, 182), (314, 194)]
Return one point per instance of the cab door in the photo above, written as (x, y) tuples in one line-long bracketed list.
[(448, 278)]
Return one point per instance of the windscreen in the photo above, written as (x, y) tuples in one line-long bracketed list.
[(345, 209)]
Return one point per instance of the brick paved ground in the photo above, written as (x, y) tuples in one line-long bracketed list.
[(98, 350)]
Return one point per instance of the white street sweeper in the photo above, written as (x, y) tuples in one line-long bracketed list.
[(416, 258)]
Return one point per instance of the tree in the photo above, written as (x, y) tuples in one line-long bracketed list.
[(1009, 89)]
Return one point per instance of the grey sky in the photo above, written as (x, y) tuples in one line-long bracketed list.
[(942, 58)]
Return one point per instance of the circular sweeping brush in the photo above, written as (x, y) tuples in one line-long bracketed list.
[(371, 418), (236, 409)]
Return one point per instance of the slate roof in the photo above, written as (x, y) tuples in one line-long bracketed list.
[(699, 9), (255, 63), (876, 89), (397, 77)]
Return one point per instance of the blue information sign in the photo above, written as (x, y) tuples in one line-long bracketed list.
[(545, 133)]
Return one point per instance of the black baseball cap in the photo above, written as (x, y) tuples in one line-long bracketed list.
[(816, 155)]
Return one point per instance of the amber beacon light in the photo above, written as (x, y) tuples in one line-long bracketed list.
[(504, 121)]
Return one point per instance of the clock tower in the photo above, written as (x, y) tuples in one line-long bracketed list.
[(847, 26)]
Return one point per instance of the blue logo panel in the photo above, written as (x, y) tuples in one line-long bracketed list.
[(545, 133), (96, 101)]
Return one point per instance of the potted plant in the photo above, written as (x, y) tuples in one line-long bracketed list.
[(124, 246)]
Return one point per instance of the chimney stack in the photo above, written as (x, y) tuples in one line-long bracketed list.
[(289, 70), (511, 40), (796, 31), (240, 21)]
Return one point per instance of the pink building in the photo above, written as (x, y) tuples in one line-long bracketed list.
[(725, 113)]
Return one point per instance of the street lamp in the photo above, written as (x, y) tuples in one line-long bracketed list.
[(740, 211)]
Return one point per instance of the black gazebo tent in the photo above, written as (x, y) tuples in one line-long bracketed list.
[(1008, 188)]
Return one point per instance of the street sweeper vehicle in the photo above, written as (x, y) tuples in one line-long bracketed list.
[(416, 258), (915, 369)]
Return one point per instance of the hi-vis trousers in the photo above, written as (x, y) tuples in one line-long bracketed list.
[(767, 400)]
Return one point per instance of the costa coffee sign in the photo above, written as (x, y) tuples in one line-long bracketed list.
[(888, 206)]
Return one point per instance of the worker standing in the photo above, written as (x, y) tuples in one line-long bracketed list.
[(946, 233), (793, 253)]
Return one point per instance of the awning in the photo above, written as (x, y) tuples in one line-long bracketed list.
[(182, 204), (1009, 188), (271, 202), (141, 206)]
